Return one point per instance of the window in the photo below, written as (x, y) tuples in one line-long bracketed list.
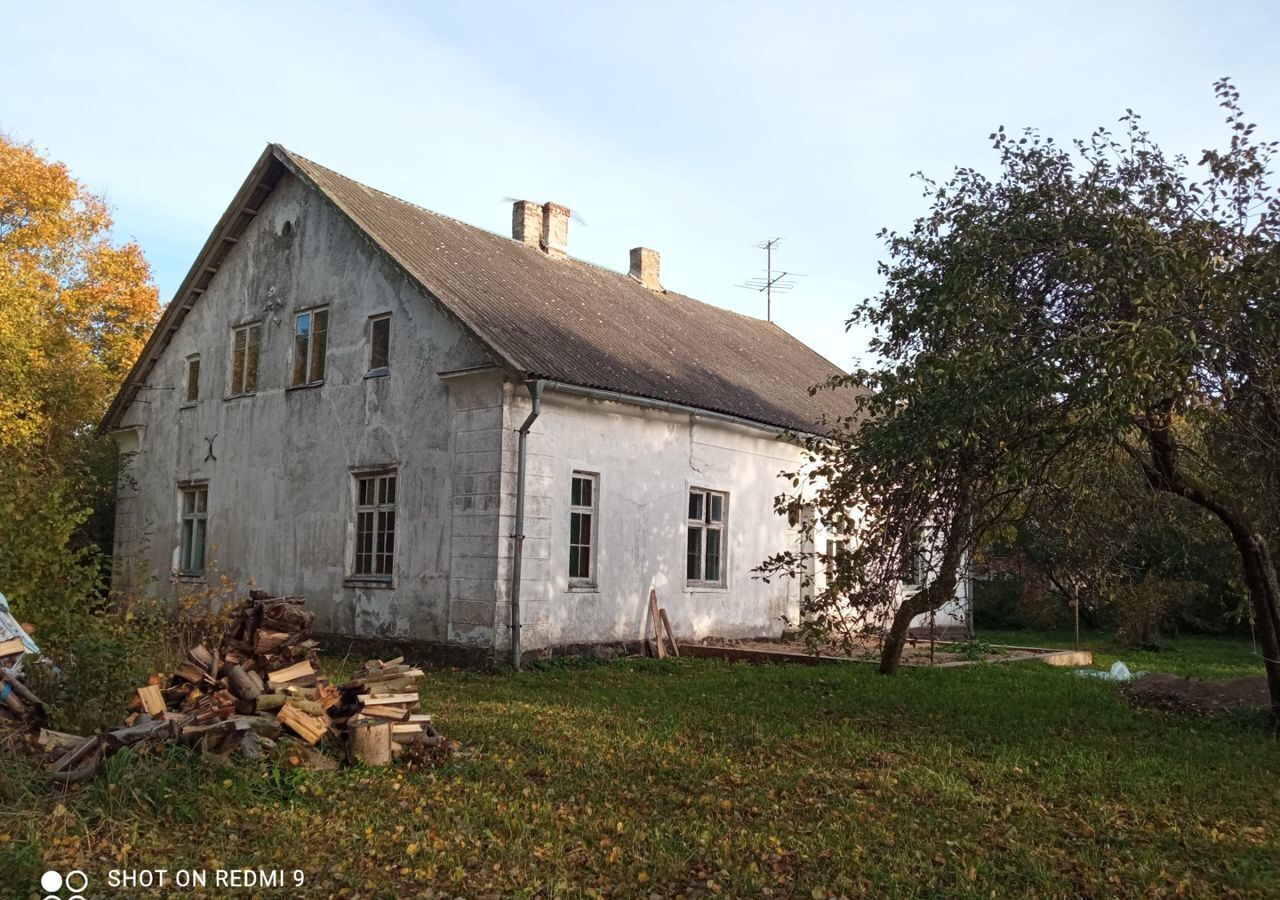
[(380, 344), (375, 525), (915, 561), (705, 559), (310, 333), (244, 359), (582, 523), (193, 378), (835, 550), (195, 512)]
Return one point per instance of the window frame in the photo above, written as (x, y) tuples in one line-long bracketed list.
[(197, 517), (705, 525), (835, 548), (591, 580), (192, 393), (376, 509), (375, 371), (308, 360), (249, 329)]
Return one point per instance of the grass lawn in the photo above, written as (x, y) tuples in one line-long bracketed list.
[(699, 777)]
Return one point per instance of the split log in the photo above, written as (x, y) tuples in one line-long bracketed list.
[(283, 676), (387, 699), (201, 656), (309, 728), (19, 688), (245, 685), (151, 699)]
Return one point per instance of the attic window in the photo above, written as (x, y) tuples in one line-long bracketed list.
[(379, 344), (310, 342), (244, 358), (193, 379)]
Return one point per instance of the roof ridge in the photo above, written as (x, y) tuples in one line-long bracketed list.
[(569, 258)]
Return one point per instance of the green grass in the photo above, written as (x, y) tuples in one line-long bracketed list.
[(700, 778)]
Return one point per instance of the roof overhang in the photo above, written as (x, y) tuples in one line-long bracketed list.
[(262, 180)]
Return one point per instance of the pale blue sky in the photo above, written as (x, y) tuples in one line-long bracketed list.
[(697, 129)]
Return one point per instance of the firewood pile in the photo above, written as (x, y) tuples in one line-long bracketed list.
[(19, 706), (381, 712), (260, 687)]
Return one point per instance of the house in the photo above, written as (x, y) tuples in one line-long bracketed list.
[(430, 430)]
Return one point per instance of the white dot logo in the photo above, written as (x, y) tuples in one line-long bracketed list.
[(52, 883)]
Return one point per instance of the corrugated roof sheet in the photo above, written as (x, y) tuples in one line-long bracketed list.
[(571, 321)]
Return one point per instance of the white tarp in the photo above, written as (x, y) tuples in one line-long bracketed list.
[(9, 628)]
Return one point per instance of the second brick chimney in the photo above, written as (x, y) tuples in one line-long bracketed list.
[(555, 230), (541, 225), (644, 267)]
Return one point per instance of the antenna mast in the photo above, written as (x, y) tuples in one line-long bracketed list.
[(781, 282)]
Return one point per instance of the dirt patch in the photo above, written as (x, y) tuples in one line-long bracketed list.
[(915, 653), (1176, 693)]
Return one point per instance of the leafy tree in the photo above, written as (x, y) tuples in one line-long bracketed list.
[(1087, 299), (75, 310)]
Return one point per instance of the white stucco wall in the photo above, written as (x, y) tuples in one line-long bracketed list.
[(646, 461), (280, 475)]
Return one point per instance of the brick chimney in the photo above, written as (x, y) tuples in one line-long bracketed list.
[(644, 267), (526, 222), (541, 225), (555, 230)]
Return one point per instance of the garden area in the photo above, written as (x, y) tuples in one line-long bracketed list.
[(702, 778)]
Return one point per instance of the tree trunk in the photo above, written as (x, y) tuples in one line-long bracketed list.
[(1260, 577), (1164, 473), (941, 589)]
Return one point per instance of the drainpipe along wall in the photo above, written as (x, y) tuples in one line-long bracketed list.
[(522, 443)]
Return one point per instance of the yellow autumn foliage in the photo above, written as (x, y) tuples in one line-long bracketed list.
[(75, 308)]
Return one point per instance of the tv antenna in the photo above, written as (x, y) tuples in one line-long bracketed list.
[(781, 282)]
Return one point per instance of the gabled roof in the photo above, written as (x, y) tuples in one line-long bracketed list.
[(560, 319)]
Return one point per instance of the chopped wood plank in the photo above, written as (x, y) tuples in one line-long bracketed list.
[(49, 740), (189, 671), (283, 676), (666, 624), (152, 700), (376, 700), (395, 713), (268, 641), (74, 754), (12, 646), (657, 627), (309, 728)]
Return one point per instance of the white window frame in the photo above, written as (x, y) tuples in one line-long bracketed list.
[(252, 332), (705, 525), (193, 519), (191, 394), (592, 509), (375, 506), (305, 356), (373, 322), (835, 547)]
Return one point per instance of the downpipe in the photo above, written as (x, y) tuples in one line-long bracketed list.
[(522, 445)]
